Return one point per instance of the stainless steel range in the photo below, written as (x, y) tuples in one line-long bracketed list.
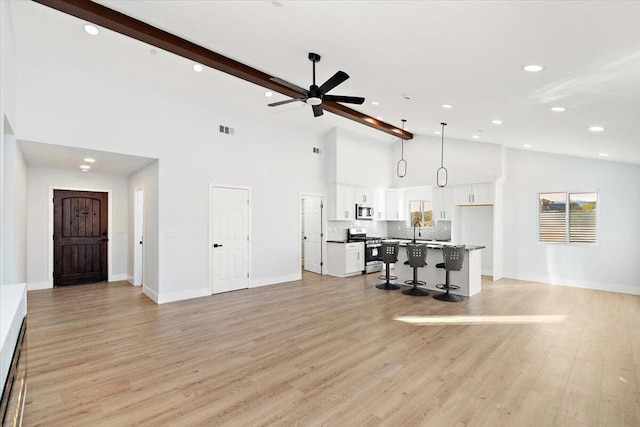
[(372, 245)]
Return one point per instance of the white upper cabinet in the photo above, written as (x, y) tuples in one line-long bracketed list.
[(363, 196), (442, 203), (379, 204), (341, 203), (474, 194), (395, 205)]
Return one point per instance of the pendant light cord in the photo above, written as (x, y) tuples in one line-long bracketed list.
[(442, 147), (402, 144)]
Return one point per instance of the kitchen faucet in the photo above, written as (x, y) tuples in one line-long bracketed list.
[(416, 223)]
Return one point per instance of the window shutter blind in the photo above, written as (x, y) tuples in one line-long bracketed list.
[(553, 227)]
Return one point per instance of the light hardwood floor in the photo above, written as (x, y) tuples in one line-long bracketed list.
[(329, 351)]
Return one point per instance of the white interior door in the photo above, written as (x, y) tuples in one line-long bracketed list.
[(229, 239), (138, 238), (312, 227)]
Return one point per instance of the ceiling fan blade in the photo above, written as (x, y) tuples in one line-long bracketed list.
[(286, 101), (289, 85), (346, 99), (334, 81), (317, 110)]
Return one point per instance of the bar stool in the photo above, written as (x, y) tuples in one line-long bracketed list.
[(453, 260), (417, 256), (389, 256)]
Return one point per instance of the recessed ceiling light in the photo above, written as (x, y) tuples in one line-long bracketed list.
[(603, 154), (153, 51), (91, 29), (533, 68), (268, 94), (89, 160), (526, 145), (85, 167), (375, 103), (476, 137), (558, 109), (198, 68), (596, 128), (447, 106), (496, 122)]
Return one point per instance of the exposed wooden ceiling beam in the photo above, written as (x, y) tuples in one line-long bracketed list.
[(131, 27)]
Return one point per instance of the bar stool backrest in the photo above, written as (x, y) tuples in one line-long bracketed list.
[(417, 255), (390, 252), (453, 257)]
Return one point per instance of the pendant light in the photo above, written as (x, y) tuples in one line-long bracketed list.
[(401, 169), (441, 173)]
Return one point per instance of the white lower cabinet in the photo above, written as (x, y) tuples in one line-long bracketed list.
[(345, 259)]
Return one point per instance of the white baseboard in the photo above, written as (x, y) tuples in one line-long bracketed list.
[(150, 293), (596, 286), (182, 295), (274, 280), (118, 277), (34, 286)]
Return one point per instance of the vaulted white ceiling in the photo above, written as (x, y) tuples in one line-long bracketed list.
[(468, 54)]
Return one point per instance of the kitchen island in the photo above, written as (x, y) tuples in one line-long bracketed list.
[(468, 278)]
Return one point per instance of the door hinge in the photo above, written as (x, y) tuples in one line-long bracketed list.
[(247, 238), (247, 275), (321, 206), (321, 263), (321, 235)]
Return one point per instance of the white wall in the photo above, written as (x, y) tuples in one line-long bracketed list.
[(146, 178), (9, 236), (39, 205), (467, 162), (476, 228), (609, 265), (14, 212), (359, 160), (136, 117)]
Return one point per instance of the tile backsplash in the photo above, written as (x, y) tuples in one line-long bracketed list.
[(337, 230), (442, 231)]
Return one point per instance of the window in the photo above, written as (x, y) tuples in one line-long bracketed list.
[(568, 217), (421, 213)]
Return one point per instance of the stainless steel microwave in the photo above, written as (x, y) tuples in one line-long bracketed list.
[(364, 212)]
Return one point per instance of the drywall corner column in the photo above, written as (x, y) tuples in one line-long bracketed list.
[(498, 230)]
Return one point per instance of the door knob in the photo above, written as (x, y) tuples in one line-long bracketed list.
[(215, 245)]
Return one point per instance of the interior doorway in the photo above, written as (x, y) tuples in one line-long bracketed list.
[(313, 229), (80, 237), (138, 237), (229, 239)]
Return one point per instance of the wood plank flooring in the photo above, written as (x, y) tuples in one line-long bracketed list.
[(329, 351)]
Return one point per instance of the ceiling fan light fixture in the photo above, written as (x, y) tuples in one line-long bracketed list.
[(314, 101)]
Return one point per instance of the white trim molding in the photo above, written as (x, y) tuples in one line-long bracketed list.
[(596, 286)]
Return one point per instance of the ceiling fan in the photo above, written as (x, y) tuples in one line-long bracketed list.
[(316, 94)]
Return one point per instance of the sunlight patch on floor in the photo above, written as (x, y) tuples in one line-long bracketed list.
[(472, 320)]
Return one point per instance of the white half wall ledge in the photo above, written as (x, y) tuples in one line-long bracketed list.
[(275, 280), (35, 286), (595, 286)]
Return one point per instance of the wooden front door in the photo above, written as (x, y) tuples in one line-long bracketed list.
[(79, 237)]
